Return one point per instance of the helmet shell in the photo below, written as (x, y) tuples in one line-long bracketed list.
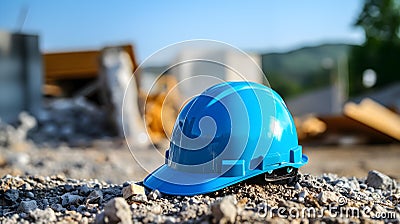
[(230, 132)]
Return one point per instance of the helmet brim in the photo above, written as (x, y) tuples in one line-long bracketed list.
[(175, 182)]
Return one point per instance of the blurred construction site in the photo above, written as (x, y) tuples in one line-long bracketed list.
[(344, 97)]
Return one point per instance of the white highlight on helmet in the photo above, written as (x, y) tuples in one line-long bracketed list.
[(275, 128)]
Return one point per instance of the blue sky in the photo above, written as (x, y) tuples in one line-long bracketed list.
[(260, 26)]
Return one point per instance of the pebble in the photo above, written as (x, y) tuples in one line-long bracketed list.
[(297, 186), (131, 190), (126, 183), (154, 194), (100, 218), (26, 206), (193, 201), (84, 220), (117, 211), (170, 219), (57, 207), (95, 197), (30, 194), (224, 211), (377, 179), (84, 190), (11, 195), (156, 209), (378, 208), (353, 184), (44, 202), (68, 187), (43, 216), (81, 208), (70, 199), (326, 197), (302, 195), (363, 186), (27, 187)]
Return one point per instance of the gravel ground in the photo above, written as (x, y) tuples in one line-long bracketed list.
[(326, 198), (112, 162), (50, 185)]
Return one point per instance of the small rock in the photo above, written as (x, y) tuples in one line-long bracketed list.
[(30, 194), (117, 211), (297, 186), (224, 211), (156, 209), (27, 206), (378, 208), (126, 183), (112, 191), (131, 190), (100, 218), (170, 219), (326, 197), (193, 201), (57, 207), (44, 202), (84, 190), (81, 208), (70, 199), (353, 183), (84, 220), (95, 197), (338, 183), (154, 194), (27, 187), (87, 214), (302, 195), (363, 186), (377, 179), (43, 216), (23, 215), (11, 195), (68, 187)]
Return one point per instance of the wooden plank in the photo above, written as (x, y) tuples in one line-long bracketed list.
[(346, 126), (375, 116), (71, 65), (77, 64), (52, 90)]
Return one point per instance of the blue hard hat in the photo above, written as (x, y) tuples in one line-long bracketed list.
[(231, 132)]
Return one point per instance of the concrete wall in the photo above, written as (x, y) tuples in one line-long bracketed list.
[(21, 75)]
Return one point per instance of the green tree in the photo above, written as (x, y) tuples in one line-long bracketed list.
[(380, 20)]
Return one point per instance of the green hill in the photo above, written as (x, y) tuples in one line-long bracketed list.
[(304, 69)]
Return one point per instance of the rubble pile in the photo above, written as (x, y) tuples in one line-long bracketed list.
[(73, 121), (11, 136), (327, 198)]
